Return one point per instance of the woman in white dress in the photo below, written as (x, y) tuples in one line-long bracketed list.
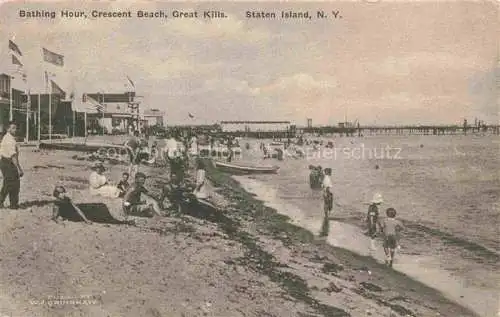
[(99, 184), (200, 190), (193, 150)]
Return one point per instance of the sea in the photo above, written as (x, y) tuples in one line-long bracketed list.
[(446, 190)]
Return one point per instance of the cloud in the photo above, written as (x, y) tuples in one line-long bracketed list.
[(395, 67), (229, 28), (299, 83), (228, 85), (404, 65)]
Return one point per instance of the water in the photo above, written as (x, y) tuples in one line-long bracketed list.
[(445, 188)]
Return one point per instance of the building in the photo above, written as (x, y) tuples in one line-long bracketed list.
[(31, 113), (108, 113), (255, 126), (17, 100), (153, 117)]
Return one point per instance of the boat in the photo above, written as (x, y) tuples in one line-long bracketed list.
[(245, 169)]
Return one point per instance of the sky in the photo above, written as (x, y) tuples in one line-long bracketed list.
[(381, 63)]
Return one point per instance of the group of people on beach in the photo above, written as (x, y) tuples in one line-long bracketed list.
[(178, 152), (389, 226)]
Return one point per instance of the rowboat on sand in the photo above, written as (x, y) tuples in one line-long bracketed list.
[(246, 169), (80, 147)]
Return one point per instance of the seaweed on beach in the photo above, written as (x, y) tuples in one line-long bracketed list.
[(331, 268), (258, 259), (269, 222)]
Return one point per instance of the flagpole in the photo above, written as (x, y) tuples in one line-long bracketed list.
[(11, 95), (103, 112), (85, 123), (28, 107), (39, 116), (50, 110)]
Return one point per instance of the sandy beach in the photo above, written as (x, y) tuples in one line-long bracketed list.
[(246, 260)]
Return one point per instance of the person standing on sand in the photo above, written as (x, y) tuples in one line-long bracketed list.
[(11, 169), (230, 149), (133, 146), (176, 159), (327, 192), (200, 190), (193, 148)]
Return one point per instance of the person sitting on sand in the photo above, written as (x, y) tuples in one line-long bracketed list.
[(123, 185), (327, 192), (372, 217), (390, 228), (64, 207), (99, 184), (132, 203)]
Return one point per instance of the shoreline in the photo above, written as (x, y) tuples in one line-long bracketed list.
[(426, 270), (303, 235), (244, 261)]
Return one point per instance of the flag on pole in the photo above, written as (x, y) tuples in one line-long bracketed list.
[(16, 61), (94, 104), (53, 58), (14, 48), (131, 82), (56, 89)]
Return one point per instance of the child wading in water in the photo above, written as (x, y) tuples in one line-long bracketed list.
[(327, 192), (391, 228)]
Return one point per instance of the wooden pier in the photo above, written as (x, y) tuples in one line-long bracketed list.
[(357, 131), (402, 130)]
